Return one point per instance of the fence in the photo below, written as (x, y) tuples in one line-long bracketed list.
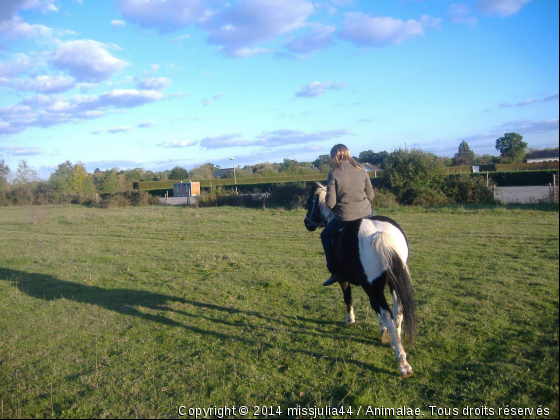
[(554, 190)]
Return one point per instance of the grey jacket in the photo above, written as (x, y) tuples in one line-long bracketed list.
[(349, 192)]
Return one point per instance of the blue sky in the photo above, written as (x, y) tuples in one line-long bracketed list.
[(161, 83)]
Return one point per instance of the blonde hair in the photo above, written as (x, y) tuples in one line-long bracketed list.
[(339, 154)]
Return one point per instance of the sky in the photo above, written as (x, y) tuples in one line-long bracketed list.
[(163, 83)]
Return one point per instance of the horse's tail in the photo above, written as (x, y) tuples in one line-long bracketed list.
[(399, 280)]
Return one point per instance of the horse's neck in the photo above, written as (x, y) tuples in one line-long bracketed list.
[(326, 212)]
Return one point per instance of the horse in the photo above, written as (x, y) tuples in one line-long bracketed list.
[(372, 253)]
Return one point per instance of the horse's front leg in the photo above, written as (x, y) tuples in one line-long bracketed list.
[(347, 291), (385, 336)]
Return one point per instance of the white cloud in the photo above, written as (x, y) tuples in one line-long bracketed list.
[(461, 14), (87, 60), (318, 38), (524, 127), (10, 7), (44, 111), (500, 8), (129, 98), (275, 138), (153, 83), (430, 22), (19, 64), (319, 88), (366, 31), (239, 28), (118, 23), (112, 130), (550, 98), (180, 38), (47, 84), (178, 144), (16, 29), (286, 137), (165, 15), (526, 102), (21, 151), (225, 141), (146, 124)]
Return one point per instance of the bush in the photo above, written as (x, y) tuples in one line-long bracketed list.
[(125, 199), (293, 195), (467, 189), (407, 170), (423, 196), (384, 198)]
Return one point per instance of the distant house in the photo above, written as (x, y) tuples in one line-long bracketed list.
[(371, 168), (543, 156), (221, 173)]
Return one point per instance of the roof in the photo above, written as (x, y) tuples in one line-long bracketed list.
[(220, 173), (371, 168), (543, 154)]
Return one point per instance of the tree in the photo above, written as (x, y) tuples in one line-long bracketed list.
[(72, 179), (80, 181), (60, 178), (324, 163), (512, 147), (4, 175), (205, 171), (25, 174), (289, 166), (109, 182), (375, 158), (178, 174), (465, 156)]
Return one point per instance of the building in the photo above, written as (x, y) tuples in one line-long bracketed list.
[(543, 156), (221, 173), (186, 189), (371, 168)]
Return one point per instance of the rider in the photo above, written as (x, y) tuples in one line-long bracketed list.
[(349, 195)]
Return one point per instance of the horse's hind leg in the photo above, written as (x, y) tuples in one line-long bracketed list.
[(381, 307), (347, 291), (397, 312)]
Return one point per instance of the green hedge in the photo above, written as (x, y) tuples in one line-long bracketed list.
[(249, 182), (504, 167), (517, 179)]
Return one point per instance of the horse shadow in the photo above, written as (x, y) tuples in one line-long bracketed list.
[(126, 301)]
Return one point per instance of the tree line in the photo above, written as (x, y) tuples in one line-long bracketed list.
[(72, 179)]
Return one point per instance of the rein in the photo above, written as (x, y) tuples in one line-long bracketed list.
[(309, 220)]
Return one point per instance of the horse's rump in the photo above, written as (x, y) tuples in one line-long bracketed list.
[(358, 248)]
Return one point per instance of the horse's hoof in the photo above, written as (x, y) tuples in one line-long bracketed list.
[(406, 375), (350, 322), (385, 337)]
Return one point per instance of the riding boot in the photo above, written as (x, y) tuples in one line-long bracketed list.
[(332, 280)]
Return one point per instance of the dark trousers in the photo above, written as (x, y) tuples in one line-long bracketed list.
[(327, 237)]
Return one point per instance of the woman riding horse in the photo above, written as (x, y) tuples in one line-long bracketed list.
[(370, 252), (349, 193)]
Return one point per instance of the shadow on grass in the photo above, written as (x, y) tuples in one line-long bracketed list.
[(124, 301)]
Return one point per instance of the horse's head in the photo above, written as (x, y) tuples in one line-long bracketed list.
[(314, 218)]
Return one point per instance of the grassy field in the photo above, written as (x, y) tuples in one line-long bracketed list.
[(135, 312)]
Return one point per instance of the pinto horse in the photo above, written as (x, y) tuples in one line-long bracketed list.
[(372, 253)]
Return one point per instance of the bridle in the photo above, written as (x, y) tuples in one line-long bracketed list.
[(309, 217)]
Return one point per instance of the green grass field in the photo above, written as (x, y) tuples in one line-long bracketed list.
[(134, 312)]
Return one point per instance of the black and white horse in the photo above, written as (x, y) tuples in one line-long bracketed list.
[(372, 253)]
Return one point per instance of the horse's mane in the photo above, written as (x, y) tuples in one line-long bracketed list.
[(322, 194)]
